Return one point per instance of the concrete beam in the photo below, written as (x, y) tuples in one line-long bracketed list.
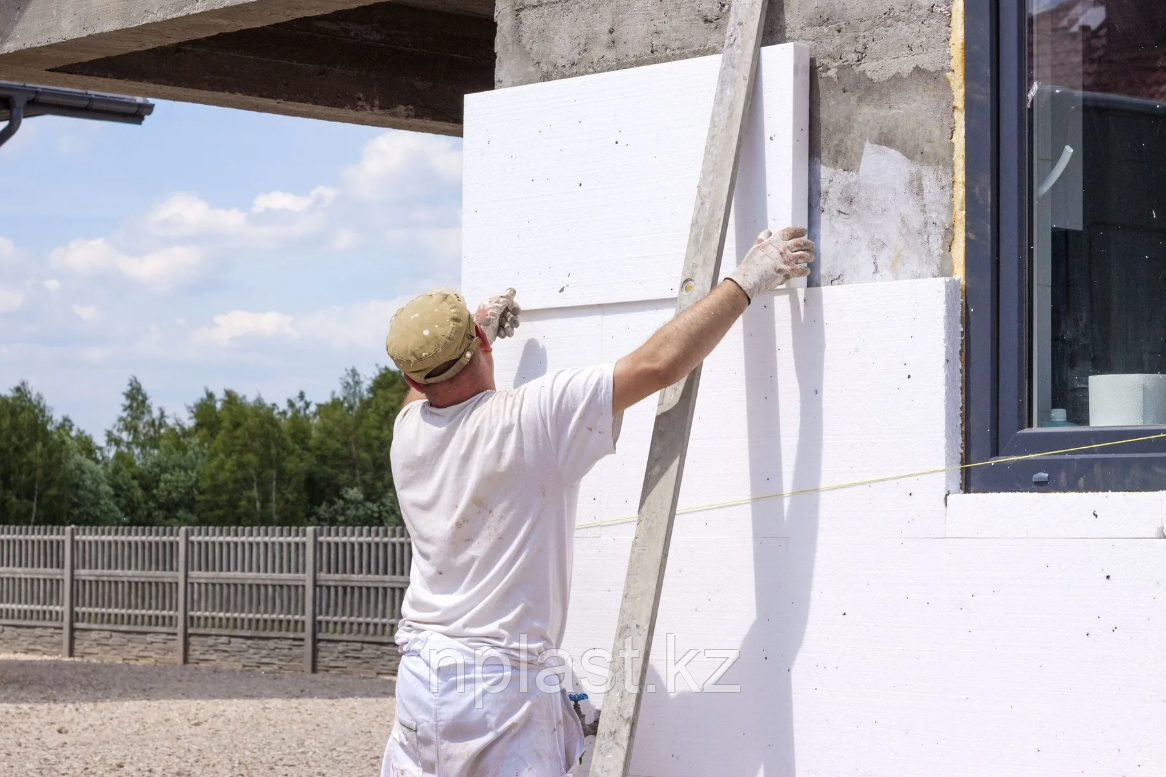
[(44, 34), (395, 64)]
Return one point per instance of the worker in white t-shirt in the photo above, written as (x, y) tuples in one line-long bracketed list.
[(488, 483)]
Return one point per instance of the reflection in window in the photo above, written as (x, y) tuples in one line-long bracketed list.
[(1097, 113)]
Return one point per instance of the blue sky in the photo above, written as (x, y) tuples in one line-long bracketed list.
[(213, 248)]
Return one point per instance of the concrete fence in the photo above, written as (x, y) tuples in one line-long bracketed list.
[(320, 598)]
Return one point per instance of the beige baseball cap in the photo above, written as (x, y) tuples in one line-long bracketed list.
[(429, 331)]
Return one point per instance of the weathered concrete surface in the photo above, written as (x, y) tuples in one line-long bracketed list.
[(51, 33), (881, 106), (387, 64), (404, 64)]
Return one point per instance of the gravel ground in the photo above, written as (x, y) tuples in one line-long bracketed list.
[(60, 718)]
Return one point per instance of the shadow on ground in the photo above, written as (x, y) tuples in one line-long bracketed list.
[(49, 681)]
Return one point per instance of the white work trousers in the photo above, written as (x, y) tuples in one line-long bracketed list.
[(491, 727)]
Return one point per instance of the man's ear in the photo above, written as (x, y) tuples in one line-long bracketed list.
[(485, 346), (413, 384)]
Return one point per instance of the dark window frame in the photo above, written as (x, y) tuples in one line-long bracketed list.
[(997, 275)]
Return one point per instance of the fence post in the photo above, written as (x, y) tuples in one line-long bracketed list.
[(183, 606), (67, 596), (310, 600)]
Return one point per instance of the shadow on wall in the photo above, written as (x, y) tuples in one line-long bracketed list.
[(60, 681), (532, 364), (752, 731)]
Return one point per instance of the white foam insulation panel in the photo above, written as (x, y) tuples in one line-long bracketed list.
[(895, 628)]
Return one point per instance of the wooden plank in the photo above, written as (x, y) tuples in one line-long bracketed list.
[(182, 604), (665, 470), (67, 596), (310, 600)]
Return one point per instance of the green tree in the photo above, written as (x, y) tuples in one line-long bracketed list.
[(231, 461), (138, 430), (353, 435), (91, 499), (34, 483), (253, 474), (352, 509)]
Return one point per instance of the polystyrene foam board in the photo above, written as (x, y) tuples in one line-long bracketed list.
[(871, 641), (1085, 515), (812, 387), (897, 657), (581, 191)]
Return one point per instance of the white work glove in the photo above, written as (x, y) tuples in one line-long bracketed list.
[(498, 315), (773, 260)]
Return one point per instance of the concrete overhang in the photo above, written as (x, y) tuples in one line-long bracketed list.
[(405, 64)]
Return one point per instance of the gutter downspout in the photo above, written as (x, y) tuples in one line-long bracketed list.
[(15, 118)]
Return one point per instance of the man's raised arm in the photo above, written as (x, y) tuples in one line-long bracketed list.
[(684, 342)]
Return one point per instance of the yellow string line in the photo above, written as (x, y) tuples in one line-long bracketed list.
[(871, 481)]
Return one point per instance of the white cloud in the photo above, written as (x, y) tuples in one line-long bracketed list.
[(243, 323), (52, 284), (321, 195), (344, 240), (85, 312), (276, 218), (85, 256), (363, 325), (389, 159), (96, 256), (160, 268), (7, 248), (10, 300), (185, 215)]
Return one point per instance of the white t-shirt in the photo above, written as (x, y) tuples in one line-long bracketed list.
[(488, 489)]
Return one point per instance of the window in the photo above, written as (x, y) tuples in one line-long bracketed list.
[(1066, 250)]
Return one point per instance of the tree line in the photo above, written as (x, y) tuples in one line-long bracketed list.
[(231, 461)]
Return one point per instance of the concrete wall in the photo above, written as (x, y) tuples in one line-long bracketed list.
[(880, 107)]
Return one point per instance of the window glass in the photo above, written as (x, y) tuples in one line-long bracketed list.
[(1097, 118)]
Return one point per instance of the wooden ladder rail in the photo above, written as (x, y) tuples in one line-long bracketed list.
[(702, 265)]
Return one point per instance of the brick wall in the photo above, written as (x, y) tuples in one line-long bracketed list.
[(357, 658), (267, 653), (123, 647), (33, 640)]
